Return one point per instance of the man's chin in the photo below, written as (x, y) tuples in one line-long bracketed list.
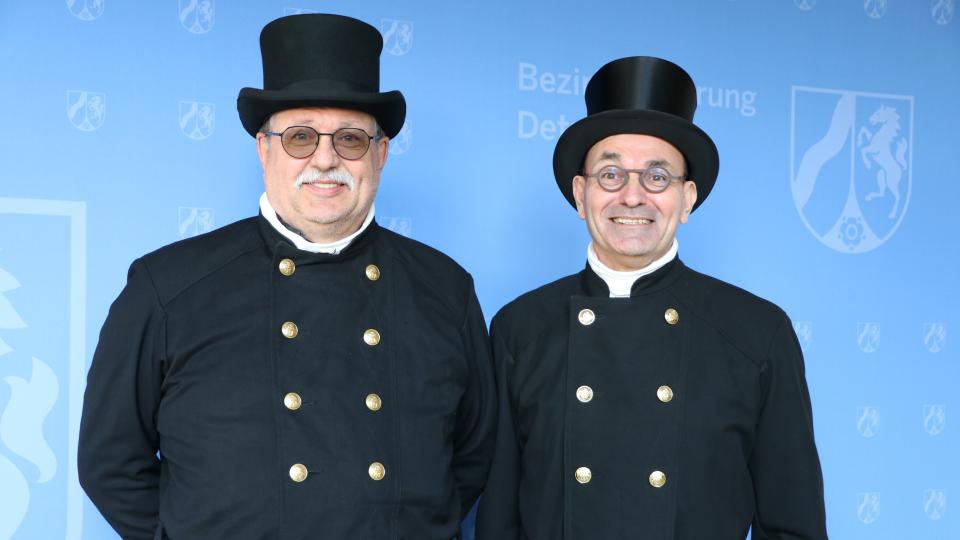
[(325, 213), (337, 222), (630, 256), (633, 248)]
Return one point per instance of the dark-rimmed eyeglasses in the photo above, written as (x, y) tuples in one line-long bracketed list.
[(302, 141), (655, 179)]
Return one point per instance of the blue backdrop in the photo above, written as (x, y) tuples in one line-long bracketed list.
[(834, 120)]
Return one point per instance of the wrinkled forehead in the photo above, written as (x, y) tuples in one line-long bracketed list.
[(633, 151), (331, 117)]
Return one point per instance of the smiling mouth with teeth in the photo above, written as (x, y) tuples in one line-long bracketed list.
[(326, 184), (632, 221)]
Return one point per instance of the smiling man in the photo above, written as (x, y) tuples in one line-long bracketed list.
[(639, 398), (304, 373)]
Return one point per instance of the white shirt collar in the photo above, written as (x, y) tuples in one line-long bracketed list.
[(302, 243), (619, 282)]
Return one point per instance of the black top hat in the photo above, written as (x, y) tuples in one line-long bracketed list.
[(321, 60), (644, 95)]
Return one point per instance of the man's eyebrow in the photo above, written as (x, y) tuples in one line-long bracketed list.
[(358, 124), (665, 164), (615, 156)]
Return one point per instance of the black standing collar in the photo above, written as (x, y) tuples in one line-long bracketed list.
[(594, 285), (278, 243)]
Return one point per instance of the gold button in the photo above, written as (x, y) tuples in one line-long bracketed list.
[(376, 471), (289, 330), (371, 337), (671, 316), (584, 394), (583, 475), (298, 473), (665, 393), (373, 273), (586, 317), (374, 402), (287, 267), (658, 479), (292, 401)]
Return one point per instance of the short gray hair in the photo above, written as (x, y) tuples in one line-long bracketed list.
[(267, 126)]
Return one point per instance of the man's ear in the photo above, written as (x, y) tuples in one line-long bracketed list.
[(579, 187), (383, 148), (262, 147), (689, 199)]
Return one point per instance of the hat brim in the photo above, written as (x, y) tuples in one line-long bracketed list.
[(699, 151), (255, 105)]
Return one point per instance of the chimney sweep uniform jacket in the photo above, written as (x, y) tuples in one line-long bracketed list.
[(289, 394), (680, 413)]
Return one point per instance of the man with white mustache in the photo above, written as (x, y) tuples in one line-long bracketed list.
[(304, 373), (639, 398), (337, 176)]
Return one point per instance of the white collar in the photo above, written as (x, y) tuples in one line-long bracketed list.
[(619, 282), (302, 243)]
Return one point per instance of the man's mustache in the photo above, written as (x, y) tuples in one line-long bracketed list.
[(310, 176)]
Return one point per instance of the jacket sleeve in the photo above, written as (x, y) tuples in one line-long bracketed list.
[(787, 479), (476, 416), (498, 517), (117, 453)]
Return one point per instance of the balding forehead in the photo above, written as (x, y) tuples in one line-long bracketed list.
[(626, 149), (617, 158)]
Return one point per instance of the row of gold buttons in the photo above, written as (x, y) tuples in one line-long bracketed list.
[(287, 267), (293, 401), (585, 394), (290, 330), (299, 472), (584, 475), (588, 317)]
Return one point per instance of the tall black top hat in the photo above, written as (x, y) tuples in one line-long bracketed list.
[(321, 60), (644, 95)]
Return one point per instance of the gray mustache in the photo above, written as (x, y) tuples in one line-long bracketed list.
[(310, 176)]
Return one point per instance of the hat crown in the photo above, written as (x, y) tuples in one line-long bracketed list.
[(321, 51), (642, 83)]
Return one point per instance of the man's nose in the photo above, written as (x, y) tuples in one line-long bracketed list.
[(633, 194), (325, 157)]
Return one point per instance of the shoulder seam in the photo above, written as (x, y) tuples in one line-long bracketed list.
[(758, 362), (773, 338), (201, 277), (153, 285)]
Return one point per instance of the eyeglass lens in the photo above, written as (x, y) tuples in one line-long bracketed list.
[(654, 179), (302, 141)]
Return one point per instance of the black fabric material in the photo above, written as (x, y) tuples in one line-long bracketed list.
[(736, 441), (192, 363), (642, 82), (321, 60), (641, 95)]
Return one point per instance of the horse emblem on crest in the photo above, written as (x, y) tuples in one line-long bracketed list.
[(876, 147)]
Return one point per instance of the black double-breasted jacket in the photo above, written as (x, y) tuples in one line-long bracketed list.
[(679, 413), (245, 389)]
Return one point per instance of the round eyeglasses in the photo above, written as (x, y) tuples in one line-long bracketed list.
[(655, 179), (302, 141)]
